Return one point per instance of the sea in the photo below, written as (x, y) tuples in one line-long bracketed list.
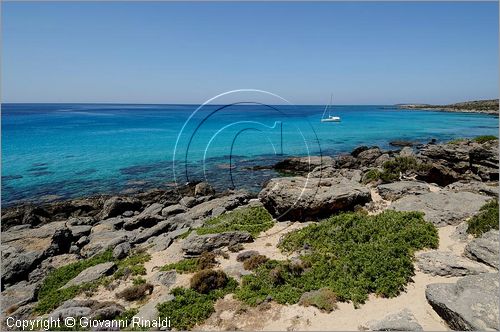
[(60, 151)]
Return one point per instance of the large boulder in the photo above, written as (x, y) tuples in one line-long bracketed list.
[(470, 304), (445, 263), (484, 249), (115, 206), (395, 190), (204, 210), (303, 165), (195, 244), (203, 189), (99, 242), (24, 249), (147, 218), (300, 198), (444, 207), (403, 320)]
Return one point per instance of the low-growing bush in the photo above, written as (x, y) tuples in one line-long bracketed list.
[(136, 292), (486, 219), (352, 254), (323, 299), (51, 295), (132, 265), (189, 265), (392, 169), (485, 138), (190, 307), (207, 280), (254, 262), (252, 219)]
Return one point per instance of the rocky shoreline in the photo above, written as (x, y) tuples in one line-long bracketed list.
[(122, 242), (479, 106)]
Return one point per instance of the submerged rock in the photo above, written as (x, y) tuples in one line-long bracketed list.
[(300, 198), (470, 304)]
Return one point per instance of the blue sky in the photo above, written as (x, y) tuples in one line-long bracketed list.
[(165, 52)]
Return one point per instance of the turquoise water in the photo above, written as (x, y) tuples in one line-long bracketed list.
[(71, 150)]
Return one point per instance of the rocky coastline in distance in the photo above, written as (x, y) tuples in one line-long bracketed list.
[(150, 254), (489, 106)]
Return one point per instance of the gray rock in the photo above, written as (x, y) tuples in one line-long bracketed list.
[(444, 263), (218, 211), (403, 320), (115, 206), (395, 190), (444, 207), (406, 152), (18, 295), (122, 250), (147, 218), (91, 274), (484, 249), (382, 159), (229, 202), (74, 312), (188, 201), (173, 210), (300, 198), (173, 223), (303, 165), (203, 189), (80, 231), (331, 172), (24, 249), (166, 278), (243, 256), (367, 157), (149, 311), (108, 312), (470, 304), (195, 244), (80, 221), (485, 188), (102, 241)]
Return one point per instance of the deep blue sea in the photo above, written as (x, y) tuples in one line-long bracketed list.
[(55, 151)]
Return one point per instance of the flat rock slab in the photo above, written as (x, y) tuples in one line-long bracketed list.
[(470, 304), (403, 320), (484, 249), (444, 207), (444, 263), (485, 188), (395, 190), (195, 245), (91, 274), (301, 198)]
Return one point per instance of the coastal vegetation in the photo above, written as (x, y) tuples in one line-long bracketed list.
[(189, 265), (51, 293), (485, 220), (392, 169), (190, 307), (343, 254), (252, 219), (482, 106)]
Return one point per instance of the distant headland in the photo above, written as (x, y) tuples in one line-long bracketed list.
[(489, 106)]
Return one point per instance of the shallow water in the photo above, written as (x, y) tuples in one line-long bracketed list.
[(70, 150)]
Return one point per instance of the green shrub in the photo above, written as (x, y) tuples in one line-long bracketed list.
[(207, 280), (485, 138), (136, 292), (189, 265), (371, 176), (132, 265), (254, 262), (352, 254), (457, 141), (50, 295), (323, 299), (253, 220), (189, 307), (486, 219)]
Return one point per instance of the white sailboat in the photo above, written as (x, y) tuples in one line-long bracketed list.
[(330, 117)]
